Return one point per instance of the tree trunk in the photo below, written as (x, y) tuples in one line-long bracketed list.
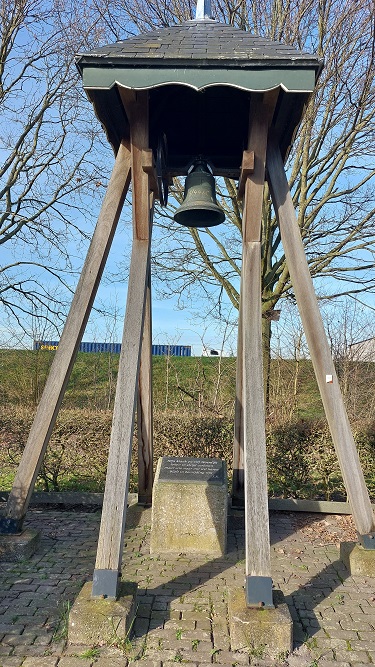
[(266, 338)]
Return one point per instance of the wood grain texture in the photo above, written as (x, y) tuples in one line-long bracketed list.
[(247, 168), (318, 344), (144, 407), (260, 114), (252, 185), (71, 337), (238, 479), (256, 499), (112, 525), (136, 108), (148, 165)]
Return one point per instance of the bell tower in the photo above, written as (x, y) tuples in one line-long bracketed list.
[(199, 100)]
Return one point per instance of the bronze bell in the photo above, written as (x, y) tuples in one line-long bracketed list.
[(199, 208)]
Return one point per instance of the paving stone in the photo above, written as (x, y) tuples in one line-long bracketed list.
[(40, 662), (74, 662), (353, 656), (109, 662), (332, 612), (13, 661)]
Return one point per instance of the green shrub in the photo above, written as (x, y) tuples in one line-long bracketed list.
[(301, 459)]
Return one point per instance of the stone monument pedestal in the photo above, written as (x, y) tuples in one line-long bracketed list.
[(190, 506)]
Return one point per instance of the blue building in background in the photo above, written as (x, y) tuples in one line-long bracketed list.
[(115, 348)]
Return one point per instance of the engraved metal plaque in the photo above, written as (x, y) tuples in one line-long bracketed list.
[(185, 469)]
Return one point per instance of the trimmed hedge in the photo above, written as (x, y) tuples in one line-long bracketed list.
[(301, 458)]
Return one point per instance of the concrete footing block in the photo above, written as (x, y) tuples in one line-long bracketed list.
[(19, 547), (263, 632), (102, 621), (358, 560)]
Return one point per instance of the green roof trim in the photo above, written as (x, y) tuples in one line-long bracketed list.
[(260, 79)]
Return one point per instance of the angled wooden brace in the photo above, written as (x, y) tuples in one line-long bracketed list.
[(318, 345), (71, 337), (107, 571)]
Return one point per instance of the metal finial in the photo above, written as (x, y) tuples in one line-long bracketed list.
[(203, 10)]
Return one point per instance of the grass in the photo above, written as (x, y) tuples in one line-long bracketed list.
[(178, 382), (193, 400), (61, 631)]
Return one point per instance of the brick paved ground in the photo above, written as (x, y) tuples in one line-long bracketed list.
[(182, 604)]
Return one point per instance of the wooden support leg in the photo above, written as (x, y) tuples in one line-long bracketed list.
[(70, 339), (250, 415), (318, 344), (144, 408), (111, 535), (238, 459), (251, 186), (258, 568)]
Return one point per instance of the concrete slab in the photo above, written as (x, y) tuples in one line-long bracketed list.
[(101, 621), (358, 560), (261, 632), (19, 547)]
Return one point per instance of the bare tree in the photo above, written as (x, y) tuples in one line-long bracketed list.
[(47, 158), (49, 155), (331, 166)]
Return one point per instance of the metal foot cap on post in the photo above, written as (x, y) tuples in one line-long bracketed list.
[(367, 541), (259, 592), (105, 584), (10, 526)]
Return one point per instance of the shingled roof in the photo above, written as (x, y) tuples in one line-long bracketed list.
[(176, 64), (196, 43)]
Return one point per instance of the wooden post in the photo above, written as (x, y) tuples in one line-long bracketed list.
[(238, 480), (318, 344), (250, 405), (143, 179), (111, 535), (144, 408), (258, 567), (112, 527), (70, 339), (251, 186)]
